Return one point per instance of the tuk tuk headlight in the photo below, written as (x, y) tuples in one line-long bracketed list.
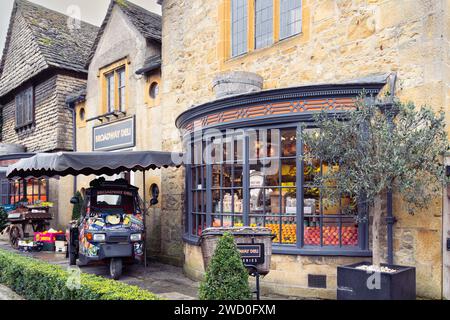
[(135, 237), (99, 237)]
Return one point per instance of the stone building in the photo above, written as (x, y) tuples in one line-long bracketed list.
[(122, 94), (309, 54), (43, 61)]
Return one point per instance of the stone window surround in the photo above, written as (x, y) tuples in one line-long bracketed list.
[(103, 73), (225, 14), (151, 79)]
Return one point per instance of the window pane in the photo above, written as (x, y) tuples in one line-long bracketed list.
[(216, 169), (121, 77), (238, 27), (263, 23), (272, 174), (237, 176), (257, 201), (288, 142), (290, 18), (110, 91), (216, 203), (288, 172)]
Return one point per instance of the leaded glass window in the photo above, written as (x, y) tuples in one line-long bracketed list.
[(238, 27), (290, 18), (263, 23)]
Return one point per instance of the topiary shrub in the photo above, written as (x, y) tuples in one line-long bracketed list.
[(76, 210), (226, 277)]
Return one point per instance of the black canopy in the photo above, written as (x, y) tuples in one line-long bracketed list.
[(87, 163)]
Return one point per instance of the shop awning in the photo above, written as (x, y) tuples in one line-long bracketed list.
[(87, 163)]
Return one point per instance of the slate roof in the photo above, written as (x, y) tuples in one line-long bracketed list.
[(150, 64), (60, 46), (149, 24)]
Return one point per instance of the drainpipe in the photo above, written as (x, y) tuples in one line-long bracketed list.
[(390, 219), (71, 107)]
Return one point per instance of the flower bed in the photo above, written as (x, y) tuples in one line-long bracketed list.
[(38, 280)]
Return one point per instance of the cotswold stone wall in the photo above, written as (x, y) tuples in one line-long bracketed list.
[(52, 129), (340, 40), (120, 40)]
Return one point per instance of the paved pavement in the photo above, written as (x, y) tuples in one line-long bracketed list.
[(7, 294), (165, 280)]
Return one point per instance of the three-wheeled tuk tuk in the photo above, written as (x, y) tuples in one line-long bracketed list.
[(111, 226)]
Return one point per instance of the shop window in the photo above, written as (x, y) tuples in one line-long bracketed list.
[(290, 18), (263, 23), (253, 177), (4, 191), (24, 102), (29, 190), (239, 27)]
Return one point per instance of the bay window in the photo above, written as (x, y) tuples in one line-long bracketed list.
[(260, 177)]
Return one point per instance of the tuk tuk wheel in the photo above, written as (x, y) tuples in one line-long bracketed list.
[(115, 268), (15, 234)]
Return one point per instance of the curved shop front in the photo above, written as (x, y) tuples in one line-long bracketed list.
[(245, 168)]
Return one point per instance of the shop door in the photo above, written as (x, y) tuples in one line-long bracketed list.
[(446, 239)]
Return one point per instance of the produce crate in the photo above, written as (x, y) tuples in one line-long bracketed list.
[(60, 246), (242, 235), (47, 237)]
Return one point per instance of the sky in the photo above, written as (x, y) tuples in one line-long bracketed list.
[(92, 11)]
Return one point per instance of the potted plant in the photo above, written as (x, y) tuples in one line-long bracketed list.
[(379, 147)]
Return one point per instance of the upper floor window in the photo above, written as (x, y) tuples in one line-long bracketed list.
[(24, 108), (239, 26), (114, 87), (290, 18), (263, 23), (260, 23)]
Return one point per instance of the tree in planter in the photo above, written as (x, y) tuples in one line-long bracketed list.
[(377, 148), (226, 277)]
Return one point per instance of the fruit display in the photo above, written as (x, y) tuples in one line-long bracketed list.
[(289, 232), (331, 236)]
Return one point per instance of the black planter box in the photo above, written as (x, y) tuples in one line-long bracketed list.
[(352, 283)]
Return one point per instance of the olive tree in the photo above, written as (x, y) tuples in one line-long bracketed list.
[(379, 147)]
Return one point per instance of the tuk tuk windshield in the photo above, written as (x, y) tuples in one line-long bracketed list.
[(116, 200)]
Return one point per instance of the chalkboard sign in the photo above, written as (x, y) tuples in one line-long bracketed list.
[(251, 254)]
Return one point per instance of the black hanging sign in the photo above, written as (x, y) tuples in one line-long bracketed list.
[(251, 253)]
